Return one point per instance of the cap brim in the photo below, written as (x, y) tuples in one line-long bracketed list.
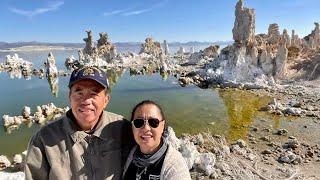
[(84, 78)]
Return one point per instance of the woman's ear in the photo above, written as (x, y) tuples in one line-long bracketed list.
[(165, 132)]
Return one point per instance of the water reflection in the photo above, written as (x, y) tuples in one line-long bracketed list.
[(164, 75), (114, 75), (17, 73), (242, 107)]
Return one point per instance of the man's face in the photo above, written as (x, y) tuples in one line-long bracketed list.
[(87, 99)]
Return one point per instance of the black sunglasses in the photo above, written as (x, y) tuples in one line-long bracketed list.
[(152, 122)]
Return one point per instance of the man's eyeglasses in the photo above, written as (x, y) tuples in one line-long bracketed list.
[(152, 122)]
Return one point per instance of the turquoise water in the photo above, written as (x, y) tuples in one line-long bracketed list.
[(188, 109)]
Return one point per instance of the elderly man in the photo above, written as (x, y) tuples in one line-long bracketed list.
[(88, 142)]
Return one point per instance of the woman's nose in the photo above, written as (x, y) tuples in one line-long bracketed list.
[(146, 126)]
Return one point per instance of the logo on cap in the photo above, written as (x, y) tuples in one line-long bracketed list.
[(89, 72)]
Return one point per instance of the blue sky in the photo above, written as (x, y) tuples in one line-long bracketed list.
[(134, 20)]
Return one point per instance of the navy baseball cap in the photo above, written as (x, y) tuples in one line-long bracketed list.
[(93, 73)]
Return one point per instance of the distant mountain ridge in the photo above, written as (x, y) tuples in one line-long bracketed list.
[(6, 45)]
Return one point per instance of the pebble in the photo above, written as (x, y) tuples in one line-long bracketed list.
[(292, 143), (265, 152), (292, 137), (282, 132), (266, 138), (241, 143)]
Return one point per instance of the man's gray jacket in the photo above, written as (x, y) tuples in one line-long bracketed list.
[(60, 150)]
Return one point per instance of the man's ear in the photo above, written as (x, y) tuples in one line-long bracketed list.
[(107, 99), (69, 95)]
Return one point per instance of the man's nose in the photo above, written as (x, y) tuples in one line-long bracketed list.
[(86, 98)]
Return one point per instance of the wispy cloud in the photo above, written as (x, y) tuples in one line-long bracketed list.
[(136, 12), (31, 13), (115, 12), (130, 11)]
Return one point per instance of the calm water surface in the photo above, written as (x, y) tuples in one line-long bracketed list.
[(188, 109)]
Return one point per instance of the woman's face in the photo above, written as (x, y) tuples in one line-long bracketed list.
[(147, 137)]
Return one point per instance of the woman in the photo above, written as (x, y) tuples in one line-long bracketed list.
[(153, 157)]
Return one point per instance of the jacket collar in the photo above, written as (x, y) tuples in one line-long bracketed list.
[(76, 133)]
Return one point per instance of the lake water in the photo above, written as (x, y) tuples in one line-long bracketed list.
[(188, 109)]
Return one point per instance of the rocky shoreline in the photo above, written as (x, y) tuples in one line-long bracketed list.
[(212, 157)]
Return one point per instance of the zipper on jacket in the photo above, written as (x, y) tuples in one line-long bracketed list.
[(91, 154)]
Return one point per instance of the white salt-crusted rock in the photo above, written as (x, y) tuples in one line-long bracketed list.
[(24, 153), (172, 138), (281, 60), (7, 120), (38, 116), (105, 48), (273, 34), (26, 112), (191, 50), (199, 139), (236, 149), (190, 153), (51, 68), (181, 50), (313, 39), (286, 37), (207, 163), (48, 109), (4, 162), (295, 40), (17, 159), (211, 51), (10, 121), (18, 162), (16, 62), (150, 47), (12, 176), (166, 48)]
